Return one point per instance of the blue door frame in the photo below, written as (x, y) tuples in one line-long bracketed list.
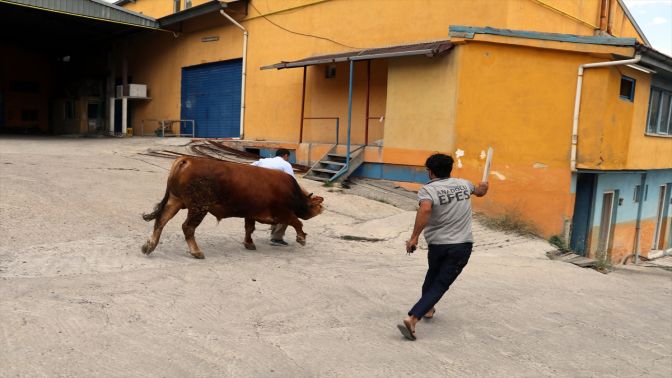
[(583, 210)]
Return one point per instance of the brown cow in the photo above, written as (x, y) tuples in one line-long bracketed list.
[(227, 190)]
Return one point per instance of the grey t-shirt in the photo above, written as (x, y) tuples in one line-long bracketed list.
[(450, 222)]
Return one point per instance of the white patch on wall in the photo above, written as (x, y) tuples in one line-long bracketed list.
[(498, 175), (483, 155), (539, 165), (458, 154)]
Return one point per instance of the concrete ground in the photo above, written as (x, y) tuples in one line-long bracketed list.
[(77, 298)]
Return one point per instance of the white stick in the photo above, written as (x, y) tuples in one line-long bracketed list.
[(488, 161)]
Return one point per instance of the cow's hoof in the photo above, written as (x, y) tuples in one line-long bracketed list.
[(198, 255), (250, 246), (147, 248), (301, 241)]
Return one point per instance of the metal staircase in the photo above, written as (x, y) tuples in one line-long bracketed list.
[(336, 167)]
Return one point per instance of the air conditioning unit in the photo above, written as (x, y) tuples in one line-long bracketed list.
[(134, 90)]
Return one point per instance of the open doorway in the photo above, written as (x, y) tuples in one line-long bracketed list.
[(662, 222), (607, 222)]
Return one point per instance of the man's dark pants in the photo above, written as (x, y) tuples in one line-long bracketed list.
[(446, 262)]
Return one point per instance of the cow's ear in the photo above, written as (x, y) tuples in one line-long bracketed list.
[(318, 200)]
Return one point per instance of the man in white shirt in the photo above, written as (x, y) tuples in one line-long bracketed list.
[(281, 163)]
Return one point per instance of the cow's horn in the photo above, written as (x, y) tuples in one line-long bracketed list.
[(310, 195)]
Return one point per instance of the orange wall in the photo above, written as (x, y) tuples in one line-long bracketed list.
[(623, 239), (329, 98), (618, 141), (273, 100)]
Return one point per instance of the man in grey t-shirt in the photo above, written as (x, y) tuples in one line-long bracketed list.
[(445, 215)]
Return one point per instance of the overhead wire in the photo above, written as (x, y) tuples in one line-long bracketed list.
[(299, 33)]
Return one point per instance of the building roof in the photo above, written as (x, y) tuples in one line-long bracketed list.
[(470, 31), (189, 13), (650, 57), (655, 59), (633, 22), (429, 49), (91, 9)]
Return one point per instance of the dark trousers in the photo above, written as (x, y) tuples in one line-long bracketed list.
[(446, 262)]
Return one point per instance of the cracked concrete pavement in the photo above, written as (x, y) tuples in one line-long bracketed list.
[(77, 298)]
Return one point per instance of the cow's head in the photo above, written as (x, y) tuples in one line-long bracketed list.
[(314, 205)]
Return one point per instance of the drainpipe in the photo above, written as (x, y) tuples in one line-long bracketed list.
[(604, 15), (638, 227), (577, 100), (244, 75)]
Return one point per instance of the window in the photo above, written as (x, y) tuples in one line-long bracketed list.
[(176, 6), (627, 88), (187, 4), (660, 112)]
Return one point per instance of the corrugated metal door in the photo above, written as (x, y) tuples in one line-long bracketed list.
[(211, 97)]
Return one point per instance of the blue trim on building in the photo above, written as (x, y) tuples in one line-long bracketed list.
[(405, 173), (469, 31)]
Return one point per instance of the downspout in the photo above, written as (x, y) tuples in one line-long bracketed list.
[(244, 73), (638, 227), (604, 18), (577, 100)]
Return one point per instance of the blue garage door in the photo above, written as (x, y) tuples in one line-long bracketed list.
[(211, 97)]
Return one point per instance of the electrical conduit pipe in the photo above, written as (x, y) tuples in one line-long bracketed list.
[(244, 73)]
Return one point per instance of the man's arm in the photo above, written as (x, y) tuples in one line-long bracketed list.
[(421, 219), (481, 189)]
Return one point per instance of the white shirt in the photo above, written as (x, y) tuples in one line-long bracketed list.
[(277, 163)]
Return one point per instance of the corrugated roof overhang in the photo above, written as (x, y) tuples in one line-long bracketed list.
[(429, 49), (468, 32), (91, 9), (655, 59), (189, 13)]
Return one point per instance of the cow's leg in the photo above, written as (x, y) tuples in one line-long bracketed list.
[(170, 209), (194, 218), (298, 226), (249, 229)]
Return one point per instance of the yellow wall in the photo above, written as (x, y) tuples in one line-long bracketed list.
[(421, 98), (273, 101), (646, 151), (618, 141), (328, 98)]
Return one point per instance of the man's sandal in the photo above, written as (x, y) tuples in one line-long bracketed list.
[(406, 330)]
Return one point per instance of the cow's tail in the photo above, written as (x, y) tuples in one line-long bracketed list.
[(158, 209)]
